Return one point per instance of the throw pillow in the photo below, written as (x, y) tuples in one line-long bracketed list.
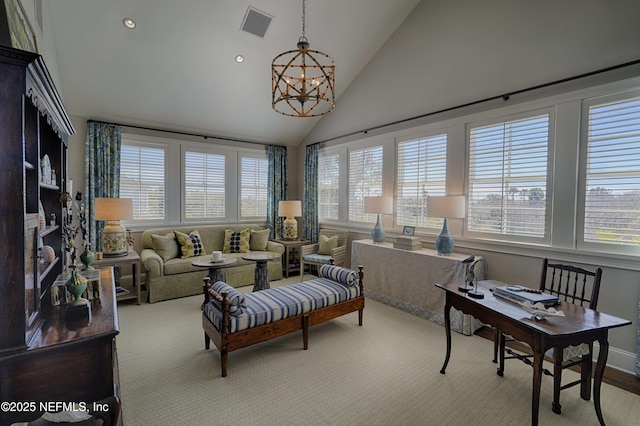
[(237, 304), (236, 241), (327, 244), (191, 245), (259, 240), (166, 246), (340, 275)]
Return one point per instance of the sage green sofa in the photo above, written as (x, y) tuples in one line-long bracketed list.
[(170, 278)]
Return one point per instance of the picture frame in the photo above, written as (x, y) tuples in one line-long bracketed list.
[(18, 28), (409, 231)]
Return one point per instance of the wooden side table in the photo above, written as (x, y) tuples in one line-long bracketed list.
[(291, 258), (261, 277), (132, 258)]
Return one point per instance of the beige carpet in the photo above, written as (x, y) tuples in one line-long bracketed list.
[(384, 373)]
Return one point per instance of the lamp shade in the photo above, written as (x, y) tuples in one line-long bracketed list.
[(290, 208), (446, 206), (379, 204), (113, 209)]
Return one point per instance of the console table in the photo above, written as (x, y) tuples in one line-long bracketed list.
[(405, 280)]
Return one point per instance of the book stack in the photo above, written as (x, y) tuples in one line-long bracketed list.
[(407, 243), (519, 294)]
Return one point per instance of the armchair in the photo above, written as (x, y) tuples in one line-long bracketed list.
[(312, 255)]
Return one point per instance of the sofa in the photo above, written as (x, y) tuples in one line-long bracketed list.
[(167, 261)]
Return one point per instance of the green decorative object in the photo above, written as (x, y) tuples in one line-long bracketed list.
[(87, 258), (76, 285)]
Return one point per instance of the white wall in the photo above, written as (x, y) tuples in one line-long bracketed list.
[(451, 53)]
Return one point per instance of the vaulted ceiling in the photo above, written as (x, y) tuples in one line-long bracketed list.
[(176, 70)]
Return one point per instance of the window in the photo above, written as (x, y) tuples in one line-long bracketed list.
[(328, 185), (142, 178), (253, 187), (508, 179), (612, 171), (204, 185), (422, 171), (365, 179)]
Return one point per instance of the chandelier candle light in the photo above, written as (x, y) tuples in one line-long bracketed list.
[(290, 210), (303, 80), (114, 235), (379, 205), (446, 207)]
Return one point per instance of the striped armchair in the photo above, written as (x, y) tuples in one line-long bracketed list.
[(309, 254)]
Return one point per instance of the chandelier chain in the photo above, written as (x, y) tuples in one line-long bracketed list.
[(303, 18)]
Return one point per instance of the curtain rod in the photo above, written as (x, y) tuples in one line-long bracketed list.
[(504, 97), (176, 132)]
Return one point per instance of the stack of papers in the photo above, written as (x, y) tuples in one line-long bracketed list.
[(518, 294)]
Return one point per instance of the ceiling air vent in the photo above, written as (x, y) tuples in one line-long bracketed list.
[(256, 22)]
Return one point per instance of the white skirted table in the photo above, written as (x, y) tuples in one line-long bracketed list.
[(406, 280), (261, 278)]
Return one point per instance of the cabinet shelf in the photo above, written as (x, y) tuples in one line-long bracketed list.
[(48, 230), (49, 186), (46, 270)]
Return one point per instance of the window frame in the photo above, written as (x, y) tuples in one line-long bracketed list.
[(258, 156)]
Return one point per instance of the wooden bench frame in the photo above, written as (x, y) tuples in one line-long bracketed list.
[(228, 342)]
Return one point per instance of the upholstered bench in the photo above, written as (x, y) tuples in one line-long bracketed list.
[(234, 320)]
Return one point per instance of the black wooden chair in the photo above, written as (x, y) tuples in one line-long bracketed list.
[(573, 285)]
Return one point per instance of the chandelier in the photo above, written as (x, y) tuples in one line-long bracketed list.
[(303, 82)]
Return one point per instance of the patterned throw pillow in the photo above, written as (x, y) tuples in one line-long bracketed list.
[(236, 241), (191, 245), (327, 244), (338, 274)]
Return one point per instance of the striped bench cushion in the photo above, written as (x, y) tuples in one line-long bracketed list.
[(266, 306)]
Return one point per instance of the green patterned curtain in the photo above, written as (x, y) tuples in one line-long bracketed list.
[(102, 171), (278, 186), (310, 222)]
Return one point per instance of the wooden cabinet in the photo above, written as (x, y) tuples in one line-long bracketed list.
[(71, 359), (34, 132)]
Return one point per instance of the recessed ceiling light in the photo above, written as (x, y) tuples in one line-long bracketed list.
[(129, 23), (239, 59)]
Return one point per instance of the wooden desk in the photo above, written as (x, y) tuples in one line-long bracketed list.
[(579, 325), (132, 258)]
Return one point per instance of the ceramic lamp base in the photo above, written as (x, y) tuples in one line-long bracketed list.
[(290, 230), (444, 241), (377, 234)]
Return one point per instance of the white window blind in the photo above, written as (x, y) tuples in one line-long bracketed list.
[(508, 172), (612, 194), (142, 178), (328, 185), (422, 172), (204, 185), (365, 179), (253, 178)]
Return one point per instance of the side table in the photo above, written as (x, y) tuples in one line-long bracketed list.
[(291, 258), (132, 258), (261, 277), (215, 272)]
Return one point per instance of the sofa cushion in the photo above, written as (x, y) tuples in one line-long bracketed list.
[(326, 244), (166, 246), (343, 276), (236, 241), (237, 303), (259, 239), (191, 245)]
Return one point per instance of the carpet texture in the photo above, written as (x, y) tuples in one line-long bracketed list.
[(386, 372)]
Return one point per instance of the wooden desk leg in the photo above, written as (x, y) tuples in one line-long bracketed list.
[(597, 380), (447, 327), (538, 357)]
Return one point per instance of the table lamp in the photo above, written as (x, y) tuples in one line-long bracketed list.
[(379, 205), (290, 209), (445, 206), (114, 235)]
